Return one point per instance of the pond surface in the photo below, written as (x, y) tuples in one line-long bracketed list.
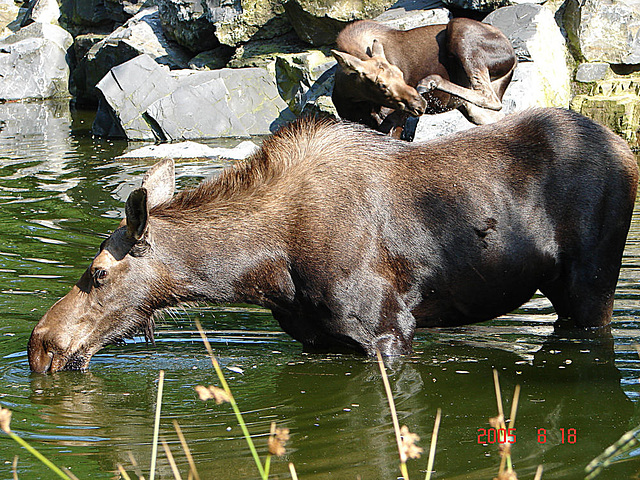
[(61, 192)]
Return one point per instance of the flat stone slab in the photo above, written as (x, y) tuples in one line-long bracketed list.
[(147, 101), (191, 151)]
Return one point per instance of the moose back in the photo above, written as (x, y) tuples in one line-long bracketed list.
[(354, 239)]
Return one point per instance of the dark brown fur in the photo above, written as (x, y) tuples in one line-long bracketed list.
[(353, 239)]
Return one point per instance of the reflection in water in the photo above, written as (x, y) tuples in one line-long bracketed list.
[(337, 411), (61, 192)]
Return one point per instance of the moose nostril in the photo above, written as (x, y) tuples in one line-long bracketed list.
[(40, 359)]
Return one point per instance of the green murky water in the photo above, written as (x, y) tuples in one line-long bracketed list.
[(61, 192)]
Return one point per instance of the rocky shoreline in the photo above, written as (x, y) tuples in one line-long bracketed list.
[(167, 70)]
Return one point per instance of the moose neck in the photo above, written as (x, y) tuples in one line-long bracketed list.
[(225, 256)]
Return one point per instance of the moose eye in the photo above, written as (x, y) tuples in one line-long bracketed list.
[(99, 275)]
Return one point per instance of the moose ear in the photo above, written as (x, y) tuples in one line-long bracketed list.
[(349, 63), (377, 50), (137, 213), (159, 182)]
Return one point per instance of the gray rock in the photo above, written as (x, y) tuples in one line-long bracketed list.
[(150, 102), (263, 53), (238, 21), (536, 38), (318, 22), (605, 30), (591, 72), (142, 34), (408, 14), (305, 82), (239, 103), (434, 126), (9, 13), (127, 92), (41, 11), (98, 16), (33, 63), (185, 22), (212, 59), (486, 6), (190, 151)]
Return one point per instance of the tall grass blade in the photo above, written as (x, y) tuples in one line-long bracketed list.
[(232, 400), (156, 427), (394, 416), (172, 462), (187, 451), (123, 472), (39, 456), (292, 470), (432, 448)]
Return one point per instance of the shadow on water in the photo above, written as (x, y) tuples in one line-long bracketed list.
[(61, 192)]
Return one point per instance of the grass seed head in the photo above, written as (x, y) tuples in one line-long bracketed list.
[(409, 440), (207, 393), (277, 439), (5, 419)]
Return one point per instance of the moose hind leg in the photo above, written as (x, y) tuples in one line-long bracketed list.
[(585, 292)]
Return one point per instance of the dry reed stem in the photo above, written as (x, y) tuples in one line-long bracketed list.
[(172, 462), (496, 384), (394, 416), (192, 465), (156, 426), (68, 472), (432, 448), (292, 469), (15, 467), (499, 422), (123, 472), (136, 467), (538, 473), (514, 407)]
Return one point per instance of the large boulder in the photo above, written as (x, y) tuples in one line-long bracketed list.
[(8, 14), (318, 22), (185, 22), (604, 30), (263, 53), (305, 82), (238, 21), (408, 14), (33, 63), (141, 34), (543, 77), (84, 16), (614, 102), (41, 11), (144, 100)]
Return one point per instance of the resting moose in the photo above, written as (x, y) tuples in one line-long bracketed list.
[(353, 239), (386, 75)]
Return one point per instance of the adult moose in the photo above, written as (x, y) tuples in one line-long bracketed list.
[(353, 239), (386, 75)]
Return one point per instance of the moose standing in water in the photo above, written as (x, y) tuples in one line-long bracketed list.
[(387, 75), (353, 239)]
